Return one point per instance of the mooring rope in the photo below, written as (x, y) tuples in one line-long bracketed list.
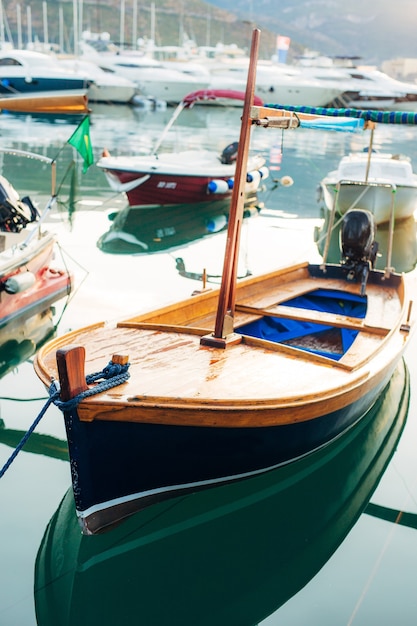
[(112, 375)]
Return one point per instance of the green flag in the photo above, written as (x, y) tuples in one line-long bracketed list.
[(81, 141)]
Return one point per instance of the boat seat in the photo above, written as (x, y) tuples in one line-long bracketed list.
[(316, 317)]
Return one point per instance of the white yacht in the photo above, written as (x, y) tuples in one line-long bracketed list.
[(150, 77), (362, 87), (107, 86)]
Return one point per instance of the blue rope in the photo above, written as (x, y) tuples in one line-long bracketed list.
[(113, 374), (26, 436)]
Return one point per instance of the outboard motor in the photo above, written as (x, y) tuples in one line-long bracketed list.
[(358, 245), (229, 154), (15, 213)]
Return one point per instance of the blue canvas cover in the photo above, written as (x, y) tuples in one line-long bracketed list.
[(282, 330)]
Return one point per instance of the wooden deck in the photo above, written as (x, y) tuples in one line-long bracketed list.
[(173, 376)]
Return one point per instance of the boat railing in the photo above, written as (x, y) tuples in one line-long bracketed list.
[(52, 199), (388, 270)]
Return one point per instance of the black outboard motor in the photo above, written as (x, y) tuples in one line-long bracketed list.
[(229, 154), (15, 212), (358, 245)]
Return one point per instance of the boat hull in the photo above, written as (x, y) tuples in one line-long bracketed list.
[(177, 179), (49, 284), (192, 417), (121, 467), (379, 199), (238, 531), (10, 86)]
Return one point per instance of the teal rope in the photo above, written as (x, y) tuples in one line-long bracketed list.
[(26, 436), (112, 375), (383, 117)]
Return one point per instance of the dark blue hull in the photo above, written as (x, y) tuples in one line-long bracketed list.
[(18, 85), (125, 466)]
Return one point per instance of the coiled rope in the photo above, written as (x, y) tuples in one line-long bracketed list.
[(112, 375)]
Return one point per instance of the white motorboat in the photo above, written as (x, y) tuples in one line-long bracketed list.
[(150, 77), (362, 87), (382, 183), (31, 72), (107, 86)]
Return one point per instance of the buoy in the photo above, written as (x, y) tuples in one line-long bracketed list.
[(218, 186), (286, 181), (19, 282), (217, 223), (264, 172), (253, 177)]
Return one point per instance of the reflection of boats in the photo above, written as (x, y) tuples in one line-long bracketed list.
[(240, 550), (20, 340), (378, 182), (153, 230), (229, 383), (29, 282), (188, 177)]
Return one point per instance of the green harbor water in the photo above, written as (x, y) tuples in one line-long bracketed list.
[(330, 540)]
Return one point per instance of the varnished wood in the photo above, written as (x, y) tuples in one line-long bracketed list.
[(120, 359), (317, 317), (73, 104), (227, 295), (70, 363)]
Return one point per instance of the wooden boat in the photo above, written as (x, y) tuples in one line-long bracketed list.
[(47, 103), (255, 557), (182, 178), (29, 281), (382, 183), (230, 383)]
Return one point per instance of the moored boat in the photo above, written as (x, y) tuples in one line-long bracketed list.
[(30, 72), (255, 557), (53, 103), (380, 182), (230, 383), (185, 177), (30, 281)]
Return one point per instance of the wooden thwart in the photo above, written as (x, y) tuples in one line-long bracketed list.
[(317, 317)]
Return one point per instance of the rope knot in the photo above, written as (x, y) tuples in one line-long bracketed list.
[(111, 375)]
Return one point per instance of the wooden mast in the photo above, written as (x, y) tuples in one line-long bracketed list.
[(223, 331)]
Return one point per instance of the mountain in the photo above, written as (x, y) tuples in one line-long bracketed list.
[(375, 31)]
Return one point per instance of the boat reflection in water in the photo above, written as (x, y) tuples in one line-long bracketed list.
[(404, 244), (228, 555), (135, 231), (19, 339)]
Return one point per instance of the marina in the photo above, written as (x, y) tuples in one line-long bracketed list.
[(349, 586)]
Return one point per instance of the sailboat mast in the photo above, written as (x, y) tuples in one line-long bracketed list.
[(225, 311)]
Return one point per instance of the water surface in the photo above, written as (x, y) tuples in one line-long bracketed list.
[(370, 577)]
